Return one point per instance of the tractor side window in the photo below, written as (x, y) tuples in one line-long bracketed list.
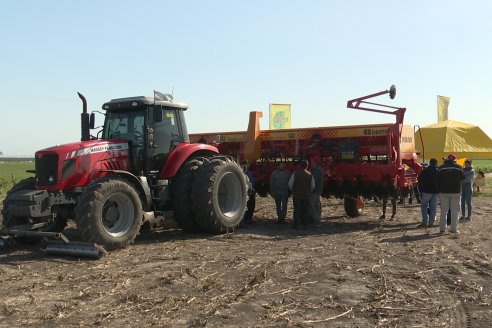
[(166, 133), (166, 138)]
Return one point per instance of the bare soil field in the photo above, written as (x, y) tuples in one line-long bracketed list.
[(346, 273)]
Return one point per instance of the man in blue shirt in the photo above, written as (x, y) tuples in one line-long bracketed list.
[(467, 190)]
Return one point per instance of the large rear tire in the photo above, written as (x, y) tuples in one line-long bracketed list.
[(54, 223), (109, 213), (219, 195), (353, 206), (180, 189)]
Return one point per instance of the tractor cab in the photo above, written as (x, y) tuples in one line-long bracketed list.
[(153, 127)]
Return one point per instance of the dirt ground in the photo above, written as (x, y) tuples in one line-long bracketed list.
[(346, 273)]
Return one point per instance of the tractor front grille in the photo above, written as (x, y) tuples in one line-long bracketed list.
[(47, 170)]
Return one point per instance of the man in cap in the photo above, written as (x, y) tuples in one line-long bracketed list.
[(449, 178)]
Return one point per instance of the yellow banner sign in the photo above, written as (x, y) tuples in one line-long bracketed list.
[(280, 116)]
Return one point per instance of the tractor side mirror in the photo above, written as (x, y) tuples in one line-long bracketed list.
[(150, 137), (92, 121), (157, 115)]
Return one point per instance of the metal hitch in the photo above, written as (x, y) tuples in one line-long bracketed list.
[(56, 242)]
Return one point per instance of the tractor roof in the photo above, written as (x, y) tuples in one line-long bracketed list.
[(140, 102)]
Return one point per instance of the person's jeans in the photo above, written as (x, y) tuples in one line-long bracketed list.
[(315, 208), (428, 201), (301, 211), (449, 202), (466, 197), (281, 200)]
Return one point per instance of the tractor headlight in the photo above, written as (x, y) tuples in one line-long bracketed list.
[(51, 179)]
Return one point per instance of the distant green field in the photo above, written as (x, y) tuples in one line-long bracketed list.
[(12, 172), (482, 164)]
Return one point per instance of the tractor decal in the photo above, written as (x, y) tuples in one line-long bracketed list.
[(102, 148)]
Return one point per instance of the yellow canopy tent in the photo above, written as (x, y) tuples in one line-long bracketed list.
[(453, 137)]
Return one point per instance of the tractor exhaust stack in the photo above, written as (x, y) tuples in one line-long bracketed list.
[(84, 119)]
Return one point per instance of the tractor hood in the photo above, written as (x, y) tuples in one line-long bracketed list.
[(82, 148), (74, 165)]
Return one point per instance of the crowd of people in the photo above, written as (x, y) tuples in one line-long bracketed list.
[(448, 186), (305, 185)]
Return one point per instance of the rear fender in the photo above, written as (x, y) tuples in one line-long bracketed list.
[(179, 156)]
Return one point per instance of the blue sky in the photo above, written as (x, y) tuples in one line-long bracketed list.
[(226, 58)]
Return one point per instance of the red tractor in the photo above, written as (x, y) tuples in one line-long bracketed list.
[(140, 167)]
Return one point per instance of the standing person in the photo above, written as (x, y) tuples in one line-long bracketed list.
[(301, 183), (430, 193), (279, 188), (449, 179), (319, 179), (251, 203), (467, 190)]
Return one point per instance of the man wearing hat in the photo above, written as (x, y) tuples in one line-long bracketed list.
[(449, 179)]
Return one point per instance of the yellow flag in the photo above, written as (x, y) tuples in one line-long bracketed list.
[(280, 116), (442, 108)]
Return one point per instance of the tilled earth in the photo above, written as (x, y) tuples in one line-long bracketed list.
[(346, 273)]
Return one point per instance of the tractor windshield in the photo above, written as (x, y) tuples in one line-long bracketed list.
[(125, 125)]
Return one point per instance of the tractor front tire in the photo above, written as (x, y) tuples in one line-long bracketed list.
[(353, 206), (109, 213), (219, 195)]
